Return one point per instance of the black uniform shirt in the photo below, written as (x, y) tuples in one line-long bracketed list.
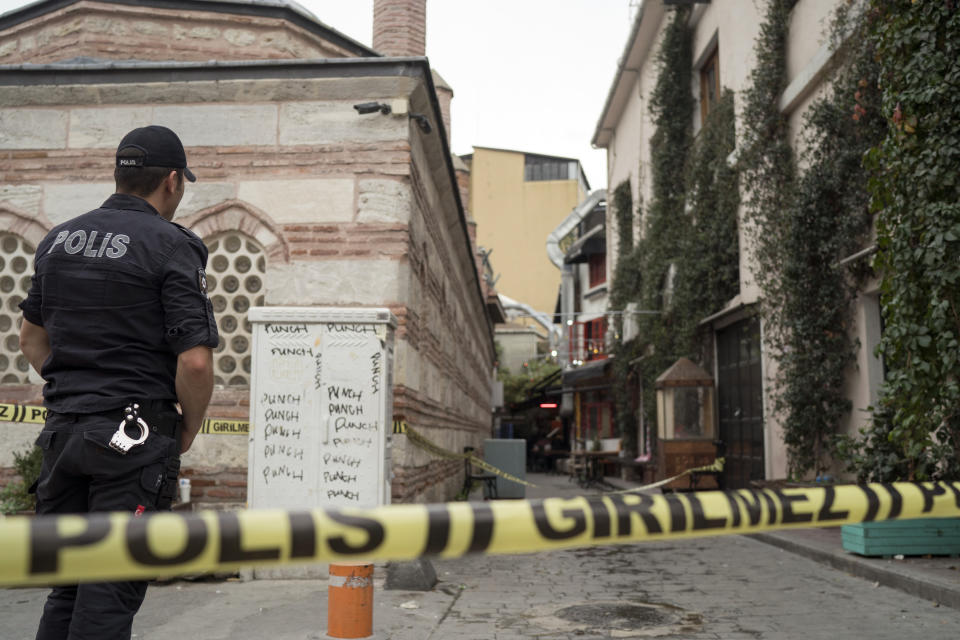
[(121, 292)]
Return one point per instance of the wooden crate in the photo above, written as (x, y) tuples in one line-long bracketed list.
[(923, 536)]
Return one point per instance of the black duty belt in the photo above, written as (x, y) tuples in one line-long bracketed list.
[(161, 415)]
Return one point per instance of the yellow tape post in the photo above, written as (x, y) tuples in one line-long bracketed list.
[(72, 548)]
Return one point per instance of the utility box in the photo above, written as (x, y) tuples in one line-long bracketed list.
[(511, 457), (320, 407)]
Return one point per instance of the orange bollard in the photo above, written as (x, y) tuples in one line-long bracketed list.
[(350, 601)]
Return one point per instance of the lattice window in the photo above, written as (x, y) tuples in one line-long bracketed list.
[(235, 274), (16, 258)]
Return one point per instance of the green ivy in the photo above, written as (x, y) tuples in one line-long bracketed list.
[(768, 167), (915, 432), (518, 386), (805, 226), (830, 220), (15, 497), (625, 287), (690, 230), (622, 203), (708, 265)]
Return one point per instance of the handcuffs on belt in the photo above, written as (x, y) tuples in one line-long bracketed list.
[(121, 441)]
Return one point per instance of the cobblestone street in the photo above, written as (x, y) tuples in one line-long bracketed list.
[(731, 587), (714, 588)]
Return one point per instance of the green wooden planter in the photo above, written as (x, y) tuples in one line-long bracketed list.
[(923, 536)]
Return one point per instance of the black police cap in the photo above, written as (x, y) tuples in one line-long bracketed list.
[(158, 147)]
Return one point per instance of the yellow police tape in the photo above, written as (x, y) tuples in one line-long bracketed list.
[(220, 426), (427, 445), (73, 548), (33, 414), (714, 467)]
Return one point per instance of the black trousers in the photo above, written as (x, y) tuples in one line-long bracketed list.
[(82, 474)]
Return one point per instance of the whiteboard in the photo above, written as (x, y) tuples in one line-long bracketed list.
[(320, 407)]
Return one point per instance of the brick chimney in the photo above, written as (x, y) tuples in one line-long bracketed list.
[(400, 27)]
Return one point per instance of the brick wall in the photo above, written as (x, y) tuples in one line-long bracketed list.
[(216, 484), (434, 482), (400, 27), (353, 212)]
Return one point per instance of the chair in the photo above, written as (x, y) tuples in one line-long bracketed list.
[(488, 479), (577, 467)]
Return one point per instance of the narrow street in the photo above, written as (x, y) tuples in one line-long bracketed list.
[(725, 588), (718, 588)]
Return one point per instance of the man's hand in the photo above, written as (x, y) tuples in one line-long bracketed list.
[(194, 387), (35, 344)]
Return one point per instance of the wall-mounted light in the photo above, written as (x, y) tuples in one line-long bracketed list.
[(422, 121)]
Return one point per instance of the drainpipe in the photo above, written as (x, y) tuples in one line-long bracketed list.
[(569, 224), (541, 318)]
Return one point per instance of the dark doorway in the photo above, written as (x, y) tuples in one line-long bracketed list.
[(740, 388)]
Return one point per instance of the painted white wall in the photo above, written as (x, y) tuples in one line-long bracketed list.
[(733, 27)]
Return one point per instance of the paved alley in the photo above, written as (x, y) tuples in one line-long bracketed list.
[(716, 588)]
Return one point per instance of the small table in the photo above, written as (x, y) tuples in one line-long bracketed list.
[(591, 465)]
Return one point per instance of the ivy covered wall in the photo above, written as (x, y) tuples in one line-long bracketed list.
[(685, 265), (914, 184), (880, 151), (806, 224)]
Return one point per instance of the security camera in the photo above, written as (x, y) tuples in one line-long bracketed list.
[(372, 107)]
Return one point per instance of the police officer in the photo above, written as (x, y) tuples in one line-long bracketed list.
[(118, 324)]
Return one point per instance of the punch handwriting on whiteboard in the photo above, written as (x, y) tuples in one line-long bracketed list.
[(281, 329), (283, 450), (343, 393), (280, 398), (279, 431), (343, 493), (375, 372), (350, 328), (291, 351), (345, 409), (318, 372), (287, 415), (342, 423), (288, 370), (283, 471), (350, 461), (357, 442), (338, 476)]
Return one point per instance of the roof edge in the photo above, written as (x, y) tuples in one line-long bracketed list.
[(632, 42), (290, 11), (60, 73)]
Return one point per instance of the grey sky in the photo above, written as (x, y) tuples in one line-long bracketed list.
[(530, 75)]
